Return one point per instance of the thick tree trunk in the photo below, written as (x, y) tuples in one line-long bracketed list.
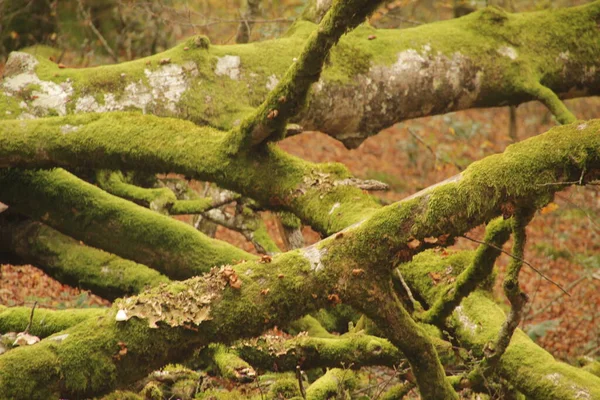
[(487, 58)]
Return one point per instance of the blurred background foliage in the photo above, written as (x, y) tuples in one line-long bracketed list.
[(102, 31)]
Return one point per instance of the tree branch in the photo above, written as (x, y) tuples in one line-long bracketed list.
[(72, 262), (503, 49), (110, 223)]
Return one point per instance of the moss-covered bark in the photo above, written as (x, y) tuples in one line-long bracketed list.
[(488, 58), (478, 271), (45, 322), (70, 261), (351, 266), (318, 193), (351, 350), (102, 353), (334, 383), (99, 219), (310, 191), (477, 321)]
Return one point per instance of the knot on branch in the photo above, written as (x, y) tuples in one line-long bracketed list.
[(200, 42)]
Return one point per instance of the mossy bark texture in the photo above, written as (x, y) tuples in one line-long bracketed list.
[(489, 58)]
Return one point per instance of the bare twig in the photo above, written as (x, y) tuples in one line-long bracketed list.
[(300, 383), (420, 140), (415, 303), (245, 27), (88, 17), (494, 351), (569, 183), (364, 184), (558, 296), (26, 331)]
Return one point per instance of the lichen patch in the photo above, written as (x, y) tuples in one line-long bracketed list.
[(68, 128), (166, 85), (465, 321), (180, 303), (314, 255), (228, 66), (43, 96), (444, 82), (272, 81), (509, 52)]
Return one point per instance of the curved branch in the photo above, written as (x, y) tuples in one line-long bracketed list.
[(70, 261), (99, 219), (477, 321), (289, 95)]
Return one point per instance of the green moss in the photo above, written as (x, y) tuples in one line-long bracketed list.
[(334, 383), (45, 322), (289, 220), (152, 391), (82, 210), (286, 388), (72, 262), (347, 60), (184, 389), (126, 395), (228, 363), (310, 325), (116, 183), (216, 394), (197, 206), (261, 236), (531, 369)]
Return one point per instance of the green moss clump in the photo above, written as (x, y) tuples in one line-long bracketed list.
[(45, 322), (284, 388)]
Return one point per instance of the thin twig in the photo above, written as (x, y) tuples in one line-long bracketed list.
[(587, 214), (262, 397), (519, 259), (300, 383), (407, 20), (87, 15), (30, 318), (558, 296), (578, 182), (420, 140), (408, 291)]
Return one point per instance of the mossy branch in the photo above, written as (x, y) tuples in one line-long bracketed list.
[(289, 95), (545, 95), (247, 222), (351, 350), (114, 182), (478, 271), (150, 144), (87, 213), (334, 383), (512, 290), (487, 58), (350, 266), (72, 262), (163, 200), (400, 328), (477, 321), (229, 364), (45, 321)]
